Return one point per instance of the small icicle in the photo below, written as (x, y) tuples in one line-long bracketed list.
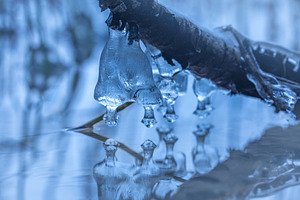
[(203, 108), (169, 91), (111, 117), (203, 90), (163, 107), (149, 120), (170, 114)]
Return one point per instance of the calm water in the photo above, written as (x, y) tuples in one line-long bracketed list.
[(39, 160)]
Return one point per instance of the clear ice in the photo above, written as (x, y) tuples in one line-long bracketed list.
[(203, 89), (160, 152), (171, 82), (140, 185), (181, 79), (286, 98), (138, 79), (109, 173), (109, 90), (205, 157), (169, 90), (125, 74), (174, 163)]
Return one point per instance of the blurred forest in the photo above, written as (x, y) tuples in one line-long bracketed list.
[(49, 55)]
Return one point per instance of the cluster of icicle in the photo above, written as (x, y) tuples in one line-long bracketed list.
[(129, 74)]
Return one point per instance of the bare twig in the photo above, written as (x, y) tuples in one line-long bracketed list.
[(91, 123)]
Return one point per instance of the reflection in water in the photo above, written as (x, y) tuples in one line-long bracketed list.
[(174, 162), (205, 157), (140, 185), (109, 173)]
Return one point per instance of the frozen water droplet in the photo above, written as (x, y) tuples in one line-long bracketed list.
[(163, 107), (204, 108), (148, 98), (168, 89), (149, 121), (111, 117), (181, 80), (203, 88), (170, 114)]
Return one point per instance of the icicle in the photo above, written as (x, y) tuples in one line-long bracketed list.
[(170, 114), (149, 119), (169, 91), (203, 108), (138, 76), (111, 117), (109, 91), (203, 89), (181, 80)]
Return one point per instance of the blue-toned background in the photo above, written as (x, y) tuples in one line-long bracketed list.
[(49, 54)]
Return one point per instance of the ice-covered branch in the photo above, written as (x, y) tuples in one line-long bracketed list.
[(204, 53)]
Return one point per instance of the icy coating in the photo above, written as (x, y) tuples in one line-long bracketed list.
[(283, 94)]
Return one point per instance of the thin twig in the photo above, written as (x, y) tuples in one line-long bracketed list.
[(91, 123)]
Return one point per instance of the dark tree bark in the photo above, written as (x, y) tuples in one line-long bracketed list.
[(200, 51)]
